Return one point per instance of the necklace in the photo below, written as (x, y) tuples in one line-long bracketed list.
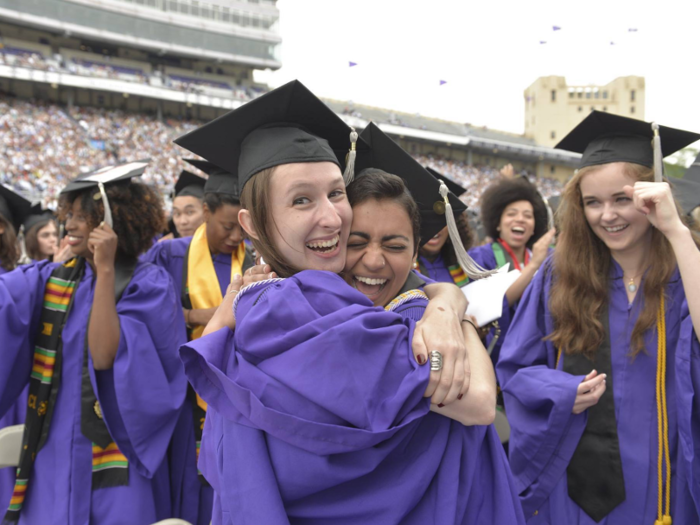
[(631, 286)]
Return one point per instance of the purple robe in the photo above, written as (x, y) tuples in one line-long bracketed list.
[(141, 397), (170, 255), (14, 416), (317, 415), (437, 269), (539, 401), (196, 499)]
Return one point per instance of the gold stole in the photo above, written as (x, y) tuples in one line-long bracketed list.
[(202, 282)]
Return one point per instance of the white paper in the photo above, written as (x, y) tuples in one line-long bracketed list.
[(485, 296)]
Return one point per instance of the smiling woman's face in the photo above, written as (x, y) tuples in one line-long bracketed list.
[(380, 250), (517, 223)]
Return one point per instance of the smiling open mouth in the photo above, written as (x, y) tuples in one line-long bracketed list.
[(324, 246), (518, 230), (615, 229), (368, 285)]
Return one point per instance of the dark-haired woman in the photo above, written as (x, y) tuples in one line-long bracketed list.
[(514, 214), (202, 267), (41, 236), (601, 369), (95, 338), (437, 259)]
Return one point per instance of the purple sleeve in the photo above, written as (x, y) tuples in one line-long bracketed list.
[(483, 256), (539, 401), (688, 392), (21, 300), (301, 370), (143, 393)]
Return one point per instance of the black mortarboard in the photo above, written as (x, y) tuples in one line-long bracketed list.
[(37, 215), (451, 185), (388, 156), (219, 181), (693, 172), (107, 175), (287, 125), (189, 185), (603, 137), (686, 192), (13, 207)]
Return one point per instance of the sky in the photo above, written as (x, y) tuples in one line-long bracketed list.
[(489, 52)]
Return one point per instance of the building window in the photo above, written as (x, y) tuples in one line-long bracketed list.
[(554, 95), (571, 94), (553, 135), (552, 170), (588, 94), (605, 94), (605, 108), (580, 94), (631, 109), (592, 108), (633, 94), (596, 94), (580, 109)]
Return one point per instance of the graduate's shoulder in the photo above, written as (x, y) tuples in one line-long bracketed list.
[(323, 291), (169, 249), (148, 277)]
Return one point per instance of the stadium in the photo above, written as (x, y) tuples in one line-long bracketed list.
[(87, 83)]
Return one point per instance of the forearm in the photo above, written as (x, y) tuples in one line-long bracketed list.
[(516, 290), (446, 296), (688, 258), (103, 328), (478, 406), (198, 317)]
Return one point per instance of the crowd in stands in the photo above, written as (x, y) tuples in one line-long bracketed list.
[(103, 67), (46, 145)]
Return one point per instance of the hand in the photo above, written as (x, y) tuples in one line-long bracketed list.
[(589, 391), (259, 272), (62, 251), (224, 313), (507, 171), (442, 331), (167, 237), (102, 243), (655, 200), (541, 248)]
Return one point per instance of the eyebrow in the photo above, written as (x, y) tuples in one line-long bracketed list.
[(618, 194), (386, 238)]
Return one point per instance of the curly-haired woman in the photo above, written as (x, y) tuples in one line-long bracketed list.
[(601, 369), (95, 339)]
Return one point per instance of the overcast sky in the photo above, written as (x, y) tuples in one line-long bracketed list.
[(488, 52)]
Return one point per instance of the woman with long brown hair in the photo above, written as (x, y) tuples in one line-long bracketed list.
[(601, 368)]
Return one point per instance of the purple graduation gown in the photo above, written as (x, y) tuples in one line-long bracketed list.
[(196, 499), (141, 397), (539, 402), (317, 415), (437, 269)]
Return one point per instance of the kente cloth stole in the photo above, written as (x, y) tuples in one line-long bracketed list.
[(594, 475), (461, 279), (201, 290), (109, 466)]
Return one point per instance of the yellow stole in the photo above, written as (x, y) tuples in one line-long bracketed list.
[(202, 282)]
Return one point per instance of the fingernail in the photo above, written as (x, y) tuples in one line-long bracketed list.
[(236, 277), (460, 396), (272, 275), (440, 405), (421, 359)]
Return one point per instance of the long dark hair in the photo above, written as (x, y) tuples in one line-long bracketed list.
[(31, 239), (9, 250)]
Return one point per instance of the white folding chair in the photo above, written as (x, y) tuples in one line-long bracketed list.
[(11, 445)]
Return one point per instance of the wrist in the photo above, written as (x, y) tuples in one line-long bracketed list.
[(679, 235)]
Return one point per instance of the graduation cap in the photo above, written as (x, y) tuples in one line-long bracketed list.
[(219, 181), (37, 215), (693, 172), (603, 138), (107, 175), (286, 125), (687, 192), (437, 208), (13, 207), (189, 185), (451, 185)]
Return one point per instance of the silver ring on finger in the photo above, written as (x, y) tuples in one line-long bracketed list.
[(435, 361)]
